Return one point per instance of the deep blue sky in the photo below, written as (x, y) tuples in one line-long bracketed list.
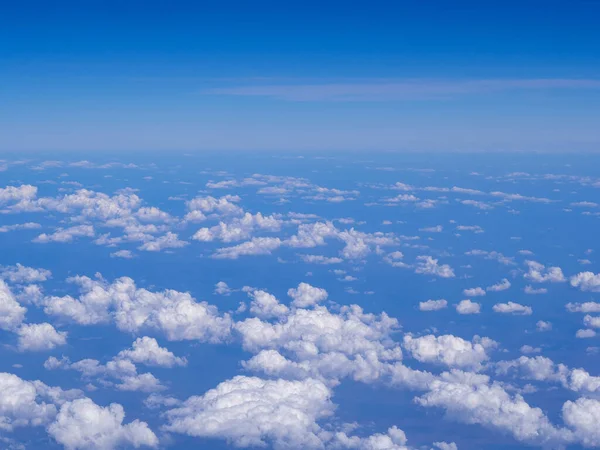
[(210, 75)]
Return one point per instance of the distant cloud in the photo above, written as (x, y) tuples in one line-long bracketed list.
[(397, 90)]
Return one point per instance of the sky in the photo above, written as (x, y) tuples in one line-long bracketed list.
[(394, 76), (384, 301)]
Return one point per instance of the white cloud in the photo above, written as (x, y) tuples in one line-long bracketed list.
[(40, 337), (65, 235), (145, 350), (583, 416), (221, 288), (125, 254), (436, 229), (449, 350), (20, 274), (587, 307), (503, 285), (320, 259), (256, 246), (133, 309), (538, 273), (265, 305), (169, 240), (470, 398), (306, 295), (468, 307), (433, 305), (251, 412), (429, 266), (534, 291), (11, 313), (512, 308), (82, 424), (20, 226), (584, 334), (474, 292), (542, 325), (586, 281)]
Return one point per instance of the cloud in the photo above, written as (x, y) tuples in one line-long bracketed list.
[(583, 417), (586, 281), (587, 307), (468, 307), (433, 305), (512, 308), (429, 266), (474, 292), (542, 325), (256, 246), (538, 273), (221, 288), (20, 274), (125, 254), (534, 291), (306, 295), (449, 350), (265, 305), (251, 412), (145, 350), (40, 337), (66, 235), (398, 90), (436, 229), (11, 313), (82, 424), (320, 259), (133, 309), (471, 399), (501, 286)]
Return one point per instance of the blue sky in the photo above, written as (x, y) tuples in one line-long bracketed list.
[(411, 76), (341, 301)]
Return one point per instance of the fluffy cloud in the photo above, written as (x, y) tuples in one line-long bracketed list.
[(586, 281), (306, 295), (40, 337), (512, 308), (249, 411), (433, 305), (65, 235), (501, 286), (133, 309), (538, 273), (145, 350), (255, 246), (82, 424), (11, 313), (587, 307), (583, 416), (20, 274), (449, 350), (429, 266), (265, 305), (474, 292), (468, 307), (470, 398)]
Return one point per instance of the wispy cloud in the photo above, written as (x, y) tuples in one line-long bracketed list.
[(410, 89)]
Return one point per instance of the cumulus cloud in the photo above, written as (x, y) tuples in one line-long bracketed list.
[(20, 274), (40, 337), (586, 281), (176, 314), (65, 235), (468, 307), (503, 285), (145, 350), (11, 312), (249, 411), (538, 273), (449, 350), (429, 266), (306, 295), (433, 305), (474, 292), (512, 308), (82, 424)]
